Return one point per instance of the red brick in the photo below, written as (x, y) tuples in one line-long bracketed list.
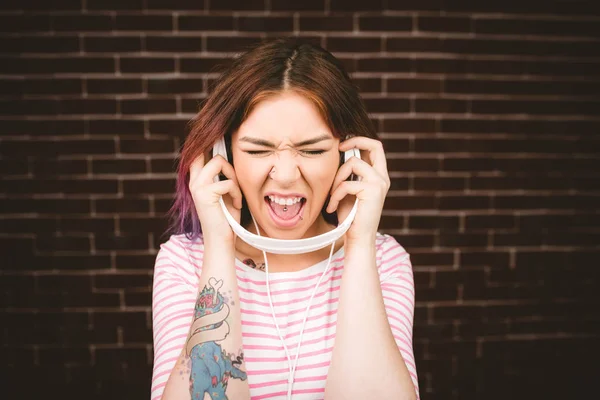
[(63, 243), (230, 44), (82, 23), (440, 105), (463, 240), (52, 86), (205, 23), (126, 281), (147, 146), (115, 4), (265, 24), (116, 126), (439, 183), (88, 106), (288, 5), (453, 202), (445, 223), (148, 106), (25, 23), (37, 224), (422, 5), (144, 22), (443, 24), (409, 202), (384, 64), (139, 186), (43, 5), (122, 205), (202, 65), (113, 85), (408, 164), (238, 5), (142, 224), (120, 242), (86, 224), (146, 64), (175, 85), (368, 85), (423, 125), (412, 85), (355, 5), (116, 166), (535, 26), (329, 23), (62, 355), (173, 43), (387, 105), (113, 44), (134, 299), (415, 241), (501, 221), (391, 222), (369, 23), (64, 64), (14, 167), (354, 45), (175, 5)]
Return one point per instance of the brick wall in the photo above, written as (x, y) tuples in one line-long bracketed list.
[(490, 116)]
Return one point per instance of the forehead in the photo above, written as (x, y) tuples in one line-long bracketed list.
[(284, 117), (324, 137)]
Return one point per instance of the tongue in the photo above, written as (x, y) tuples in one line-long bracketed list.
[(291, 211)]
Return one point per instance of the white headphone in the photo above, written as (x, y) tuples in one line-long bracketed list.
[(280, 246)]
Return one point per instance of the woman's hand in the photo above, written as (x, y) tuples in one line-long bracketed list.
[(206, 194), (370, 191)]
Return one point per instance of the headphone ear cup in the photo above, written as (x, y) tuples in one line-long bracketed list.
[(228, 149)]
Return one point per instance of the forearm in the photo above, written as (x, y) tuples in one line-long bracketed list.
[(212, 357), (366, 362)]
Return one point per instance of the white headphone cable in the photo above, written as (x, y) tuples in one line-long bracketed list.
[(291, 369)]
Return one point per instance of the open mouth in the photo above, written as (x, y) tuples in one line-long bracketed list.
[(287, 215)]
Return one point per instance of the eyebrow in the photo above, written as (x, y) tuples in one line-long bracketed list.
[(262, 142)]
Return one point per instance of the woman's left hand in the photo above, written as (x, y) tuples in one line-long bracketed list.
[(370, 191)]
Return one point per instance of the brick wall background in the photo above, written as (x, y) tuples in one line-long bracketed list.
[(490, 116)]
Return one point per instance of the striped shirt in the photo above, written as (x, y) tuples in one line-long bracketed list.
[(175, 288)]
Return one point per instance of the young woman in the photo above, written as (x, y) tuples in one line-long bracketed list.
[(223, 326)]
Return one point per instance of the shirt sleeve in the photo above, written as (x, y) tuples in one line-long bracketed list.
[(174, 292), (398, 289)]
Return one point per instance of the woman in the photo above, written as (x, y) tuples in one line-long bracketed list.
[(215, 333)]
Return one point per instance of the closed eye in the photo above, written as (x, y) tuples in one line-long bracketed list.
[(311, 152)]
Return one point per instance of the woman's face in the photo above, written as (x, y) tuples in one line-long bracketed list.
[(269, 140)]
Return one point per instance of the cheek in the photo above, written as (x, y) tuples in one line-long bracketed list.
[(322, 176), (250, 179)]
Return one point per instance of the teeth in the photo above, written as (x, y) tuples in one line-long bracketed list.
[(285, 202)]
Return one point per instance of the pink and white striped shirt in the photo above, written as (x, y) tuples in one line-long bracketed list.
[(178, 267)]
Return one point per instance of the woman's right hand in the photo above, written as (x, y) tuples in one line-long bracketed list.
[(206, 194)]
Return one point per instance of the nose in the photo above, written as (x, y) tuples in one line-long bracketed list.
[(285, 170)]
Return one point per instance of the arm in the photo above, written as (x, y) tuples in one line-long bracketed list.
[(210, 357), (366, 360)]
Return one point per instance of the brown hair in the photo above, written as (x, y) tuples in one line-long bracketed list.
[(265, 69)]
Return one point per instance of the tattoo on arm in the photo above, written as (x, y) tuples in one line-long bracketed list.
[(211, 366)]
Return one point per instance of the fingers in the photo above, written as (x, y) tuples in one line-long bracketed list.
[(345, 188), (373, 152), (356, 166), (203, 175), (195, 167), (228, 187)]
